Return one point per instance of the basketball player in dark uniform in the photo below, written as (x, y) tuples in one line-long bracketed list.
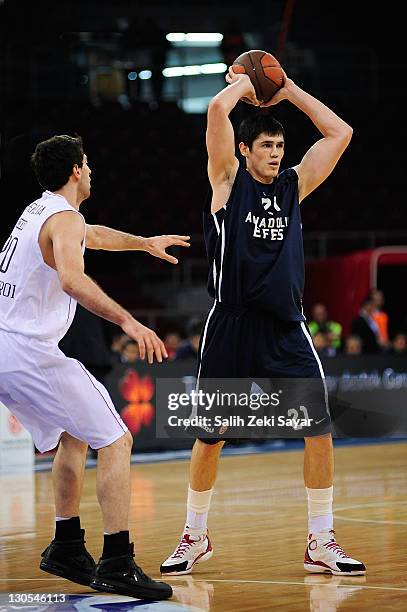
[(255, 327)]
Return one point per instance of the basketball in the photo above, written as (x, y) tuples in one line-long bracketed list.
[(264, 71)]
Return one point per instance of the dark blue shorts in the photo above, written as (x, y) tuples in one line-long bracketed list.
[(238, 343)]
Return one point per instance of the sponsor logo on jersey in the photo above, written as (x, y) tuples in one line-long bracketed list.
[(268, 228)]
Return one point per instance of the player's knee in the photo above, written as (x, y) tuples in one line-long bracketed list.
[(122, 444), (70, 442), (128, 440)]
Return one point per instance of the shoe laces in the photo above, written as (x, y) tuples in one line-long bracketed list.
[(184, 544), (334, 546)]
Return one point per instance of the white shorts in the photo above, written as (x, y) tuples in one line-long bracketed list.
[(50, 393)]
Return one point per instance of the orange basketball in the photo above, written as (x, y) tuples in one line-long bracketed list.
[(264, 71)]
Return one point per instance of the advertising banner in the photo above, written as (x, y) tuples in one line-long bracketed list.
[(366, 397)]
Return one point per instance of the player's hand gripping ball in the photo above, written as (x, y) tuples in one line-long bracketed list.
[(264, 72)]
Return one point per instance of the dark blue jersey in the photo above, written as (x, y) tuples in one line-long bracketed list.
[(254, 246)]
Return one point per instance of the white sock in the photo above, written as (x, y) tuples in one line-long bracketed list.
[(198, 505), (320, 515), (63, 518)]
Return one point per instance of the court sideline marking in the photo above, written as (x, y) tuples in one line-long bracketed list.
[(369, 505), (361, 586)]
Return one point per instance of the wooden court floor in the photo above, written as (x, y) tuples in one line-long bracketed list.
[(257, 525)]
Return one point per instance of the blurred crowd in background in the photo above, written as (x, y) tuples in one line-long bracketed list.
[(102, 346), (369, 330)]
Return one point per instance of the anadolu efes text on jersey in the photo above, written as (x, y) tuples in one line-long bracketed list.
[(255, 248), (32, 302), (271, 228)]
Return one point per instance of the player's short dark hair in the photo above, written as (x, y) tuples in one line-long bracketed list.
[(53, 160), (256, 124)]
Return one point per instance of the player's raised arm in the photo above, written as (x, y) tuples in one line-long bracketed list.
[(220, 140), (319, 161), (108, 239), (66, 232)]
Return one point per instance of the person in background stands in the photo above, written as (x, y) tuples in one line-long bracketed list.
[(353, 345), (118, 342), (381, 317), (321, 323), (130, 352), (172, 340), (366, 327), (322, 345), (399, 344)]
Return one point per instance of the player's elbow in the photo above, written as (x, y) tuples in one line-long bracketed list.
[(341, 137), (346, 134), (69, 282), (216, 107)]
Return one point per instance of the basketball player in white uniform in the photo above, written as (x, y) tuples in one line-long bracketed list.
[(60, 403)]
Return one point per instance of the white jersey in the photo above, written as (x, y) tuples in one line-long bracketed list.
[(32, 302)]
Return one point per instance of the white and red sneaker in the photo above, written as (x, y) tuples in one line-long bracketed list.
[(323, 554), (190, 550)]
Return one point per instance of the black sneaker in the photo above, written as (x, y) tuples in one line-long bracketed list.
[(69, 559), (122, 576)]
